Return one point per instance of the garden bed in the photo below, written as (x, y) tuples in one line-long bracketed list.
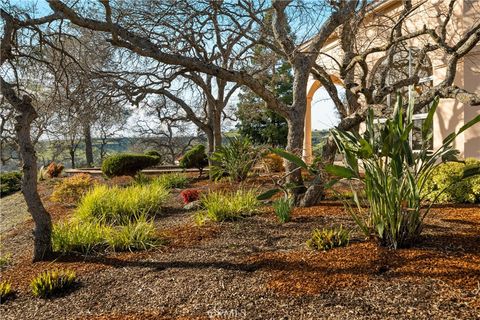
[(256, 268)]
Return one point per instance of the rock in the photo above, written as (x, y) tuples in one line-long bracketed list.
[(194, 205)]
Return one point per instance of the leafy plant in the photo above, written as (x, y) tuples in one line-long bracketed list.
[(135, 235), (326, 239), (446, 183), (283, 209), (195, 158), (221, 206), (115, 205), (189, 195), (233, 160), (142, 178), (70, 190), (10, 182), (172, 180), (52, 282), (5, 291), (395, 177), (54, 170), (127, 164), (153, 153), (79, 236)]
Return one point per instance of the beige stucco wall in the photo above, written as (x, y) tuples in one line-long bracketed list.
[(451, 114)]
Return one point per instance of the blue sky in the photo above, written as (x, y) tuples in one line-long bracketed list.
[(323, 109)]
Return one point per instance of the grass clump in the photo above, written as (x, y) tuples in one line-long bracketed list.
[(5, 259), (137, 235), (5, 291), (221, 206), (283, 209), (71, 190), (172, 180), (52, 282), (327, 239), (115, 205)]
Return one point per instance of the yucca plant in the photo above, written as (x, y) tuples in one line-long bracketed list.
[(394, 176), (52, 282), (234, 160)]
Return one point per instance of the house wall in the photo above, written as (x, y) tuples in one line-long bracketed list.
[(451, 114)]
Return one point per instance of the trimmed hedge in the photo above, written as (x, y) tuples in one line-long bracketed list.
[(448, 177), (195, 158), (153, 153), (127, 164), (10, 182)]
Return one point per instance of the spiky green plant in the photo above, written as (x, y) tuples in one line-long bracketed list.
[(172, 180), (52, 282), (220, 206), (395, 176), (283, 208), (136, 235), (233, 160), (326, 239), (5, 291), (115, 205)]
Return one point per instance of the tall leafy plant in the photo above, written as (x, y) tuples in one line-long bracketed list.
[(394, 176), (234, 160)]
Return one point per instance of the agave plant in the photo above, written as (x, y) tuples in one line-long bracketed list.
[(394, 176)]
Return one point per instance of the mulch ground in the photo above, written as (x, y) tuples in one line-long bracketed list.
[(255, 268)]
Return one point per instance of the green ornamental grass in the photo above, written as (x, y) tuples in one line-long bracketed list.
[(283, 209), (5, 291), (221, 206), (326, 239), (52, 282)]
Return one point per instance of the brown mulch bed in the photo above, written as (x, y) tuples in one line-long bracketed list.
[(255, 268)]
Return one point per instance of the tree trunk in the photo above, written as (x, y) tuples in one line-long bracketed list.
[(72, 158), (217, 130), (87, 134), (43, 223)]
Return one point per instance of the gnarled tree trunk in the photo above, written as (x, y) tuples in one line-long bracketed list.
[(42, 219)]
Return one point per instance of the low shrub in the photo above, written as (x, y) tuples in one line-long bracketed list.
[(54, 170), (446, 185), (115, 205), (52, 282), (327, 239), (283, 209), (221, 206), (5, 291), (172, 180), (190, 195), (273, 163), (153, 153), (90, 236), (195, 158), (142, 178), (70, 190), (10, 182), (127, 164), (234, 160)]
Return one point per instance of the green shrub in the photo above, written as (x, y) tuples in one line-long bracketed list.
[(445, 184), (10, 182), (327, 239), (234, 160), (126, 164), (5, 291), (142, 178), (221, 206), (283, 209), (70, 190), (395, 176), (52, 282), (153, 153), (90, 236), (116, 205), (172, 180), (195, 158)]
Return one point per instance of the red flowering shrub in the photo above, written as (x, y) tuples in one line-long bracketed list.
[(189, 195), (54, 170)]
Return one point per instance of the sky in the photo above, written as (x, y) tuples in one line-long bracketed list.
[(323, 110)]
